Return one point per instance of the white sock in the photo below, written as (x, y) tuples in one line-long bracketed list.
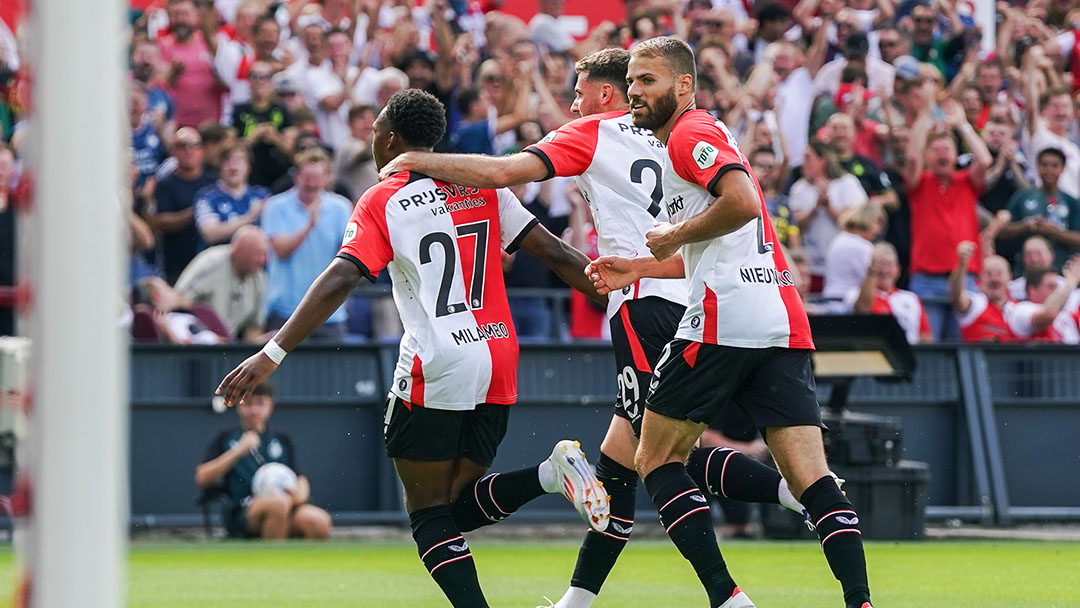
[(787, 498), (548, 479), (576, 597)]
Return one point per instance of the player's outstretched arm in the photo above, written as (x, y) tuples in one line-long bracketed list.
[(567, 262), (612, 272), (326, 294), (475, 170), (736, 203)]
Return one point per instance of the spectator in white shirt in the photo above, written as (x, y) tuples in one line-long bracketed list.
[(331, 87), (794, 99), (818, 198), (1050, 115), (849, 254)]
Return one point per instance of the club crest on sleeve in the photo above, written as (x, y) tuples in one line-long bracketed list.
[(705, 154), (350, 232), (548, 137)]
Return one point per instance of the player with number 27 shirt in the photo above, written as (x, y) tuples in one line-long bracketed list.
[(456, 375), (618, 168)]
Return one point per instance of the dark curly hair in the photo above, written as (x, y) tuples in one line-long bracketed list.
[(417, 116)]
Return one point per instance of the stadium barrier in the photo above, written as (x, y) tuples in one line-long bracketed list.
[(994, 423)]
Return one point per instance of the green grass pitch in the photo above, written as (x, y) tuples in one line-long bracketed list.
[(650, 573)]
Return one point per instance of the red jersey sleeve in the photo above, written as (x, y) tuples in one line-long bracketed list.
[(702, 150), (568, 151), (924, 322), (367, 238)]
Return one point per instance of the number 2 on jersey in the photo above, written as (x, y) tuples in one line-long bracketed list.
[(446, 242), (657, 194)]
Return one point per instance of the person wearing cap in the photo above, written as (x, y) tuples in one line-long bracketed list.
[(911, 93), (880, 75), (287, 92)]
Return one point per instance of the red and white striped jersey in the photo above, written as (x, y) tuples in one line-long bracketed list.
[(1021, 322), (440, 243), (741, 291), (984, 322), (618, 168), (908, 310)]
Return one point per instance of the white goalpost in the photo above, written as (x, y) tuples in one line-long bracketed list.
[(74, 541)]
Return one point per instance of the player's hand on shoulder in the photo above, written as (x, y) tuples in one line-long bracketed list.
[(237, 386), (662, 240), (611, 272), (402, 162)]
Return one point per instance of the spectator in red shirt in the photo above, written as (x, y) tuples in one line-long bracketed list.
[(943, 202), (880, 296), (192, 81), (982, 315)]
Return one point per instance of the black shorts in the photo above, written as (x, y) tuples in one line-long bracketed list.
[(421, 433), (774, 386), (639, 332)]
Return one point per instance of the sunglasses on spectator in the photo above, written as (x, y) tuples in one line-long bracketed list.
[(924, 19), (493, 78), (188, 144), (713, 23), (261, 76)]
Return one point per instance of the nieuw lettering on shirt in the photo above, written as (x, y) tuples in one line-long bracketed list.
[(440, 195), (489, 331), (764, 275)]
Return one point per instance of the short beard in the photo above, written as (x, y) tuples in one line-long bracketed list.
[(182, 32), (660, 113)]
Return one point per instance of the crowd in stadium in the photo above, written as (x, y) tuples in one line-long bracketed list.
[(907, 169)]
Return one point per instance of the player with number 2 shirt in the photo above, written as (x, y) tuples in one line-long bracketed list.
[(456, 375), (744, 340)]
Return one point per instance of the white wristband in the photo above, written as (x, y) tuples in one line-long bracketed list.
[(275, 352)]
